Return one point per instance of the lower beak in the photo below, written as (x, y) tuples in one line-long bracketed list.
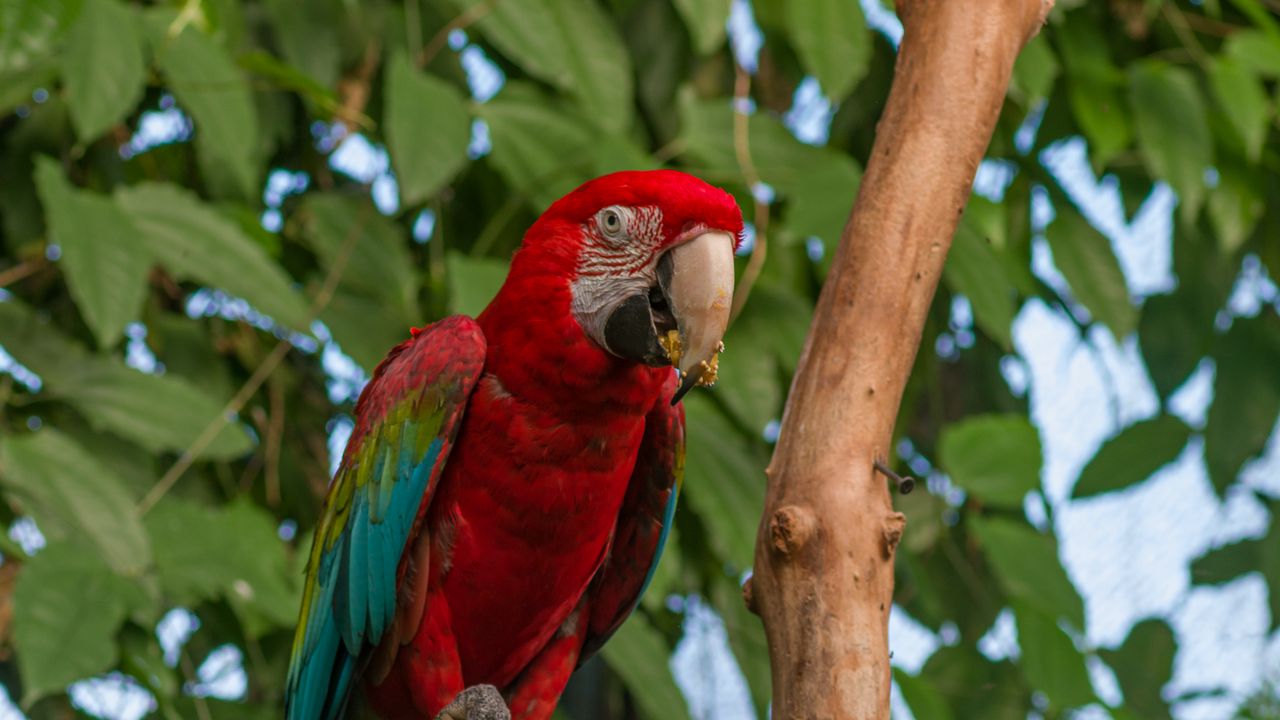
[(697, 279)]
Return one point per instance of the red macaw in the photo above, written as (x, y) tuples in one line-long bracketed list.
[(510, 481)]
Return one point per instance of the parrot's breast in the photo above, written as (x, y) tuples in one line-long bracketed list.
[(532, 498)]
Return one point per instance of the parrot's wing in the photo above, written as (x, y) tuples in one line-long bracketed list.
[(643, 524), (406, 420)]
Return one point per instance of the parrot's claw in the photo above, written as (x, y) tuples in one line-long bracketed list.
[(478, 702)]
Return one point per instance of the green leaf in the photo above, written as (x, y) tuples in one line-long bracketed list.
[(1102, 116), (706, 21), (34, 342), (994, 457), (1035, 69), (922, 697), (1236, 205), (187, 349), (1256, 50), (427, 130), (362, 327), (571, 44), (1224, 564), (17, 86), (1162, 336), (833, 43), (1094, 88), (308, 37), (1172, 128), (30, 33), (821, 200), (1050, 660), (67, 607), (1027, 567), (538, 149), (975, 687), (105, 263), (781, 160), (1243, 101), (1133, 455), (1174, 336), (103, 67), (543, 152), (230, 553), (761, 349), (1143, 665), (157, 412), (639, 655), (134, 466), (473, 282), (1246, 397), (973, 269), (64, 487), (724, 481), (194, 241), (209, 86), (1086, 260), (287, 77), (378, 265)]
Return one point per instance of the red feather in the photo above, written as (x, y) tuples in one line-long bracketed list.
[(522, 520)]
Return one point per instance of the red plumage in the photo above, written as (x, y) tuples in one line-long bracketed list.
[(549, 510)]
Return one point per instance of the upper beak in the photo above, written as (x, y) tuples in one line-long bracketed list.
[(697, 279)]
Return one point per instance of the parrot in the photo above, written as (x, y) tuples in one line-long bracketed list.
[(510, 480)]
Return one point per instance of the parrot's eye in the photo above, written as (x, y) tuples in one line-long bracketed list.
[(611, 223)]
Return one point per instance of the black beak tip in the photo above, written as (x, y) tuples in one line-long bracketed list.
[(687, 384)]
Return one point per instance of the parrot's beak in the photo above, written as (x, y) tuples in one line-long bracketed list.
[(681, 320), (696, 279)]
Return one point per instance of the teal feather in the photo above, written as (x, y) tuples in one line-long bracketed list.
[(405, 423)]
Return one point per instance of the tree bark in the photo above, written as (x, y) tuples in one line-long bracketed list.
[(823, 580)]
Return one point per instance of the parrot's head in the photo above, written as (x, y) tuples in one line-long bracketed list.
[(649, 261)]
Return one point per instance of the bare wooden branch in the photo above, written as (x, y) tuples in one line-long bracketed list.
[(823, 579)]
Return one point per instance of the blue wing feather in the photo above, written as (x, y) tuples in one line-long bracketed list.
[(406, 420)]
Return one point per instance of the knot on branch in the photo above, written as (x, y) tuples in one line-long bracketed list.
[(749, 597), (891, 533), (790, 528)]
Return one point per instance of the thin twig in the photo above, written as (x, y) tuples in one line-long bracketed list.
[(275, 431), (255, 381), (318, 482), (1210, 26), (21, 271), (188, 669), (353, 90), (742, 149), (1183, 31), (464, 20)]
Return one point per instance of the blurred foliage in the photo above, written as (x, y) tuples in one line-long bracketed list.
[(172, 457)]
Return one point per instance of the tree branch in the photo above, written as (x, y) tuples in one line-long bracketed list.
[(742, 150), (823, 579)]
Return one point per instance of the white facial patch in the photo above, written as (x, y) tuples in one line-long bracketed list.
[(615, 266)]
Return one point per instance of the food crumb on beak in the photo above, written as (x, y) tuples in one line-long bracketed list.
[(709, 371), (673, 346)]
